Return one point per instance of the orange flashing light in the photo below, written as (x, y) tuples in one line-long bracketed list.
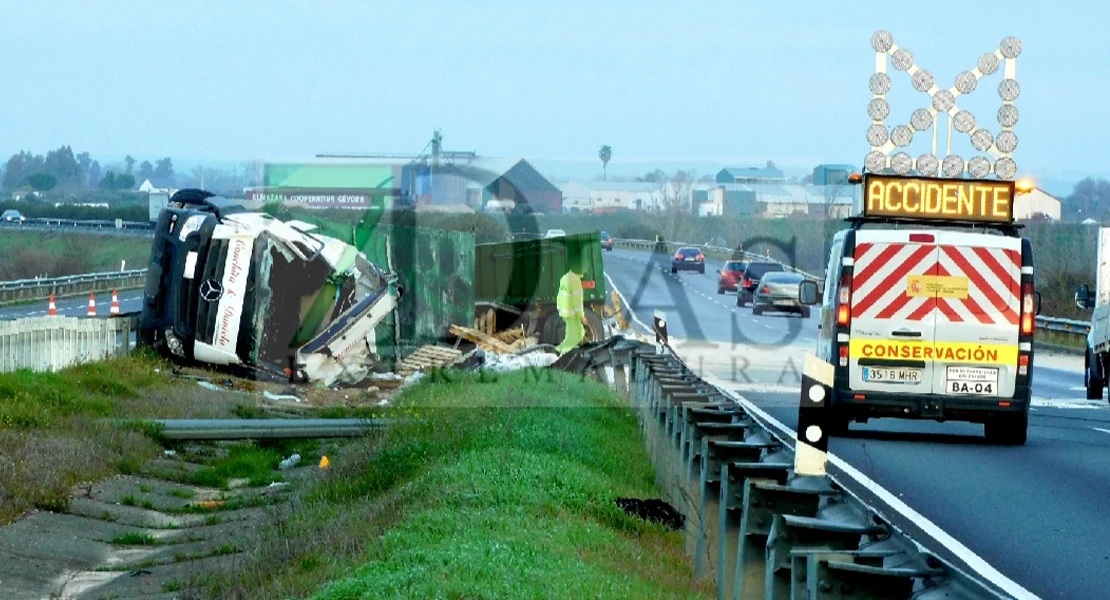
[(854, 178), (1024, 185)]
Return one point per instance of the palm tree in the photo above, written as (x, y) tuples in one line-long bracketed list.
[(605, 154)]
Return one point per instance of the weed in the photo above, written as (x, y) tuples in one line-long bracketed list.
[(135, 539)]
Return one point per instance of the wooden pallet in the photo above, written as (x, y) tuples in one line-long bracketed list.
[(427, 357)]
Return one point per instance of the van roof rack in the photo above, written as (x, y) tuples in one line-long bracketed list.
[(1008, 229)]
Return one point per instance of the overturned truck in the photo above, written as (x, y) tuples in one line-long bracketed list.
[(234, 287)]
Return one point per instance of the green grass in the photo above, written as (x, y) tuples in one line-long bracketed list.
[(29, 253), (50, 434), (244, 461), (502, 489), (135, 539)]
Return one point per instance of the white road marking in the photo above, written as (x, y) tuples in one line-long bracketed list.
[(1101, 429), (977, 563)]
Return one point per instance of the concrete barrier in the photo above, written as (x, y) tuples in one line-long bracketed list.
[(25, 290), (54, 343)]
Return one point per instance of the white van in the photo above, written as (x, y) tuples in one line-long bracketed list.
[(929, 313)]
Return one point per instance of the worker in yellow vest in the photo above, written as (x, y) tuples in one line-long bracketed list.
[(570, 303)]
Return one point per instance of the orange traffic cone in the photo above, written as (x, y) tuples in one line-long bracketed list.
[(52, 310), (114, 310), (92, 305)]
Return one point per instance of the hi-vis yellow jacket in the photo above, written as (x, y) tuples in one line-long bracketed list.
[(570, 301)]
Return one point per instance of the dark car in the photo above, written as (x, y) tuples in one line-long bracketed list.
[(688, 259), (752, 274), (606, 241), (778, 292), (728, 276)]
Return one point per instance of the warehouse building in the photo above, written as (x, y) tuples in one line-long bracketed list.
[(768, 174), (462, 179), (1037, 205), (832, 174)]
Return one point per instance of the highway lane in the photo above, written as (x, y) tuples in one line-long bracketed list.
[(1033, 512), (76, 306)]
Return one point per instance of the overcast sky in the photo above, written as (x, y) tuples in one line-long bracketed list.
[(735, 81)]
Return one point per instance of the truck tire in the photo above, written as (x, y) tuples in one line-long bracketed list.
[(1092, 377), (1007, 429), (554, 329)]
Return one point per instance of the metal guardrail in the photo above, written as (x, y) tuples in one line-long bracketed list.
[(752, 525), (58, 281), (129, 228), (1059, 325), (23, 290)]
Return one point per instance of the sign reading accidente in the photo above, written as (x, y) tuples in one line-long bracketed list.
[(980, 200)]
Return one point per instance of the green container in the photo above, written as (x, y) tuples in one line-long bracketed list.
[(526, 272)]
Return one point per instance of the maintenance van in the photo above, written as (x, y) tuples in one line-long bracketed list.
[(929, 304)]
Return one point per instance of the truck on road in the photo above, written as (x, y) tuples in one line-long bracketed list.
[(228, 286), (1096, 370)]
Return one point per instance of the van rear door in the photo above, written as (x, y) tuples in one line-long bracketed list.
[(893, 317), (978, 314)]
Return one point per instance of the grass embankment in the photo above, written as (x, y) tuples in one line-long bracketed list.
[(28, 254), (499, 489), (50, 437)]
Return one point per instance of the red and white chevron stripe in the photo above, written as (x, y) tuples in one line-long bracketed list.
[(882, 270)]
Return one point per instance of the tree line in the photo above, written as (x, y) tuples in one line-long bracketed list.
[(64, 170)]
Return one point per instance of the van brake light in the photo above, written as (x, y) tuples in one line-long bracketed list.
[(844, 356), (1027, 308), (844, 310)]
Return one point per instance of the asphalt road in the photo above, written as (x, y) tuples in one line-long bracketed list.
[(76, 306), (1034, 513)]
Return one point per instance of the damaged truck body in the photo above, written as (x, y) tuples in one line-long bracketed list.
[(234, 287)]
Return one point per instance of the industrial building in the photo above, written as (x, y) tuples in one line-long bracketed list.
[(768, 174), (450, 179)]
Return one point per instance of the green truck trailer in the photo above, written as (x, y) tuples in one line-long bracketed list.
[(519, 281)]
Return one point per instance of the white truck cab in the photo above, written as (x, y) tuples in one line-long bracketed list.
[(1097, 360), (929, 305)]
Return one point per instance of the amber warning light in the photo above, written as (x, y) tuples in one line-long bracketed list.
[(929, 198)]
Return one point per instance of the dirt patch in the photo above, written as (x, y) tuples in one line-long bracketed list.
[(655, 511)]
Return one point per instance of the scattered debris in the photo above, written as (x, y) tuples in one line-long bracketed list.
[(427, 357), (656, 511), (503, 363), (272, 396), (290, 462)]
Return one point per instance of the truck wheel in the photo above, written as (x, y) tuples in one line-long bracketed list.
[(554, 329), (1092, 379), (1008, 429)]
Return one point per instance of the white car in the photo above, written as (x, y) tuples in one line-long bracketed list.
[(553, 233), (12, 216)]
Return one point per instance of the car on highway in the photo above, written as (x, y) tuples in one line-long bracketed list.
[(750, 279), (606, 241), (688, 258), (12, 216), (729, 275), (778, 292)]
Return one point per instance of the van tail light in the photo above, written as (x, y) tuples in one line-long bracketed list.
[(844, 301), (1027, 308), (701, 256), (844, 355), (1023, 364)]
